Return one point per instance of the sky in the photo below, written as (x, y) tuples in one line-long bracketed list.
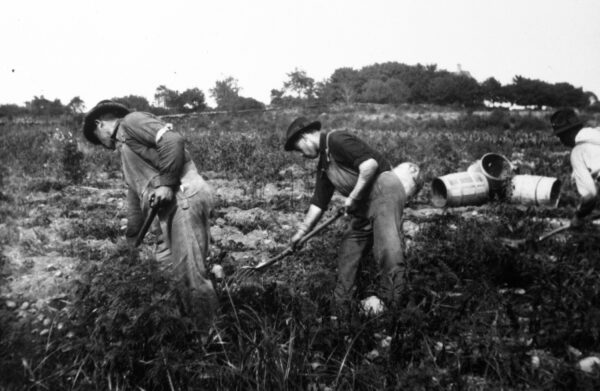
[(103, 49)]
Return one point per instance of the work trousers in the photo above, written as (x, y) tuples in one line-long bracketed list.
[(377, 225), (184, 244)]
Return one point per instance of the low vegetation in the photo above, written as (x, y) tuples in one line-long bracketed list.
[(476, 314)]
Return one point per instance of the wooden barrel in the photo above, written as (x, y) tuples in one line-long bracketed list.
[(535, 190), (497, 170), (459, 189)]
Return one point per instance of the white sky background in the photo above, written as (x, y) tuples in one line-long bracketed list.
[(103, 49)]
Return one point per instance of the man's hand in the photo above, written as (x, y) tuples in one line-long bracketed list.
[(295, 240), (161, 196), (350, 206)]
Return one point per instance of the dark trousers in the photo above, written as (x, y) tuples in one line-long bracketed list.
[(377, 226)]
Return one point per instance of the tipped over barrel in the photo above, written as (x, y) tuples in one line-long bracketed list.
[(497, 170), (459, 189), (535, 190)]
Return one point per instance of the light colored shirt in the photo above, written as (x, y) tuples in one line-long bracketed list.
[(153, 155), (585, 161), (152, 139)]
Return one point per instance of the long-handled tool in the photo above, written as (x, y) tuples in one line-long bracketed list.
[(517, 243), (291, 249), (146, 226)]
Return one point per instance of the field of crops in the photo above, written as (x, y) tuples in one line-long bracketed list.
[(79, 310)]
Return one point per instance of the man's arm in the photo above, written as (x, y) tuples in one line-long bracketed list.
[(366, 175), (171, 158), (311, 218), (154, 140), (586, 187)]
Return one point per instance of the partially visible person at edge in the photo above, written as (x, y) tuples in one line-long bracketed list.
[(375, 199), (159, 172), (585, 158)]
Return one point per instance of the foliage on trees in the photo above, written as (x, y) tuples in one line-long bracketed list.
[(380, 83), (533, 92), (190, 100), (300, 84), (134, 102), (11, 110), (491, 90), (448, 88), (395, 83), (343, 86), (226, 95), (41, 106), (76, 106), (245, 103), (165, 97), (298, 90)]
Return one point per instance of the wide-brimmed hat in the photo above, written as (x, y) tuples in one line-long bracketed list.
[(298, 127), (103, 107), (565, 119)]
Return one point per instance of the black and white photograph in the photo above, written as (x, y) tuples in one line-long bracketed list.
[(300, 195)]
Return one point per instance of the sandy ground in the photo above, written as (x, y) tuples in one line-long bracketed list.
[(43, 247)]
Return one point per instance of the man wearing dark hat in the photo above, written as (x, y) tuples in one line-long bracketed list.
[(375, 198), (585, 158), (160, 173)]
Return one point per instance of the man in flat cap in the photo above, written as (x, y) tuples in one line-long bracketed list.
[(160, 173), (375, 198), (585, 158)]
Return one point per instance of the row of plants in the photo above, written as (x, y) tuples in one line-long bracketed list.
[(476, 315)]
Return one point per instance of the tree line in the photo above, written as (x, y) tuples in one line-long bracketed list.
[(396, 83), (385, 83)]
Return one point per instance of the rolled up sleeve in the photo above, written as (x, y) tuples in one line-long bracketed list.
[(155, 142)]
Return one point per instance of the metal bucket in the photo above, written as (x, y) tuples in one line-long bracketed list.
[(497, 170), (459, 189), (535, 190)]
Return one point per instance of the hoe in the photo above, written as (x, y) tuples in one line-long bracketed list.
[(518, 243), (147, 222), (249, 270)]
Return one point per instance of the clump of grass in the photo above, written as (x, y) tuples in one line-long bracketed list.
[(72, 162)]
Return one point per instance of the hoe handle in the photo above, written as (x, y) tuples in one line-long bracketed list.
[(338, 213), (553, 232), (564, 228), (290, 250), (147, 223)]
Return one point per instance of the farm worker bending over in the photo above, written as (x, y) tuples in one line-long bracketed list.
[(585, 158), (375, 198), (159, 172)]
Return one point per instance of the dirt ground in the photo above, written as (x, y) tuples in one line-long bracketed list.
[(42, 251)]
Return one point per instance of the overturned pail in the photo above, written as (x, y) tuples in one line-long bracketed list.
[(497, 170), (535, 190), (458, 189), (410, 176)]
